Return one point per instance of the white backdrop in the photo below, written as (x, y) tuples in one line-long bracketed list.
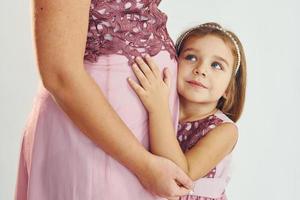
[(266, 165)]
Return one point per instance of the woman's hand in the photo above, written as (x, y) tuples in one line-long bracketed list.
[(164, 178), (173, 198), (153, 90)]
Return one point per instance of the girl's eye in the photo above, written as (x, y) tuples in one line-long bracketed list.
[(191, 57), (217, 65)]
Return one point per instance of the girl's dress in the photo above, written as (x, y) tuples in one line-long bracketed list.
[(211, 186), (57, 161)]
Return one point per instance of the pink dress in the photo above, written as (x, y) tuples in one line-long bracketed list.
[(212, 185), (57, 161)]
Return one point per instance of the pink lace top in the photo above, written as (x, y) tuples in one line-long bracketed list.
[(126, 27)]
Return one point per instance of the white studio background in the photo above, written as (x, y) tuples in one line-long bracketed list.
[(266, 165)]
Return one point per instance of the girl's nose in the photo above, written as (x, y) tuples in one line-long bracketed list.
[(200, 70)]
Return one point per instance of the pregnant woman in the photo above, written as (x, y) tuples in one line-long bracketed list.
[(87, 135)]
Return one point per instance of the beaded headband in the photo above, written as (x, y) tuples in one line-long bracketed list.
[(220, 29)]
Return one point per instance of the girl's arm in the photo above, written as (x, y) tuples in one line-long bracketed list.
[(154, 93), (60, 32)]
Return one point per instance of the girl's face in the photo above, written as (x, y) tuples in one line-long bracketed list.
[(204, 69)]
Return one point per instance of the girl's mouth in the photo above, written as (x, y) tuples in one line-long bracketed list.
[(197, 84)]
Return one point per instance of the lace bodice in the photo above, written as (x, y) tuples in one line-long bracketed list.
[(189, 133), (126, 27)]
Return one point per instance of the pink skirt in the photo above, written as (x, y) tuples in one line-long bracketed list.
[(58, 162)]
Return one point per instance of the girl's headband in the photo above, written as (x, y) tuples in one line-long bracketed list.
[(220, 29)]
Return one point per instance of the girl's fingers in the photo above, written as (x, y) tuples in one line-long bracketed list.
[(140, 76), (136, 87), (167, 77), (153, 66), (145, 68)]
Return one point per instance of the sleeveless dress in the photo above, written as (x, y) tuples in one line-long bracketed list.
[(57, 161), (212, 185)]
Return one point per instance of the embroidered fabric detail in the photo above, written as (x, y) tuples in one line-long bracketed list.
[(189, 133), (127, 27), (194, 197)]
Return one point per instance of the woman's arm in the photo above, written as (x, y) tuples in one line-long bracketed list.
[(60, 32), (206, 154), (60, 29)]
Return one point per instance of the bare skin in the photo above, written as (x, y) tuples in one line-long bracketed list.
[(60, 32), (153, 91)]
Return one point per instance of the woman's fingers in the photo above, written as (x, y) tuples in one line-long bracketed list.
[(173, 198), (183, 191), (186, 183)]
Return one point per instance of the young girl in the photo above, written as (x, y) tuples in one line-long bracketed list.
[(211, 85)]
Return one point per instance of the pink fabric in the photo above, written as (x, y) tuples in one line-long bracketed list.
[(58, 162), (192, 197), (127, 27), (212, 185)]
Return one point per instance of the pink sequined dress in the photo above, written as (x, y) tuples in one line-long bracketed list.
[(212, 185), (57, 161)]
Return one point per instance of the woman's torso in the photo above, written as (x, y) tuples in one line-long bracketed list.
[(127, 27), (57, 160)]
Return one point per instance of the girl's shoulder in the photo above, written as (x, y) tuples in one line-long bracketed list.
[(218, 123), (208, 123), (226, 122), (225, 119), (189, 133)]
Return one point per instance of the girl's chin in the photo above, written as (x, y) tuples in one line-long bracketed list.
[(194, 94), (192, 98)]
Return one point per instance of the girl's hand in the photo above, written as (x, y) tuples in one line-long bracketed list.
[(153, 90)]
